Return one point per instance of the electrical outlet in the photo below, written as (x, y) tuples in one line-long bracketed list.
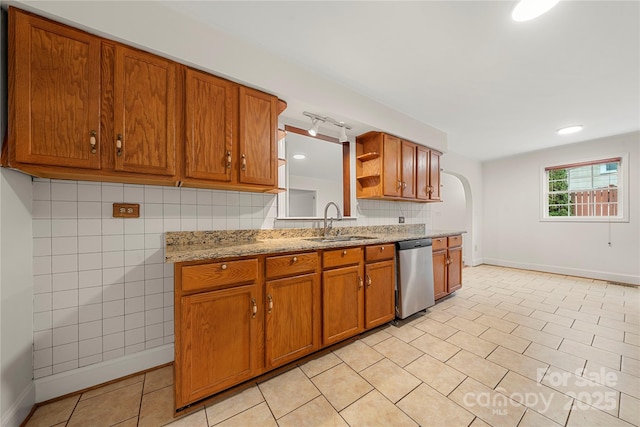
[(126, 210), (400, 220)]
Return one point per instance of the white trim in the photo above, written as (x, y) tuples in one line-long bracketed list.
[(578, 272), (19, 410), (88, 376)]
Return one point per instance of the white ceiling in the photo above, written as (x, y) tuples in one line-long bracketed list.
[(496, 87)]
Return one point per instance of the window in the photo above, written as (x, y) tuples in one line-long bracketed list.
[(584, 191)]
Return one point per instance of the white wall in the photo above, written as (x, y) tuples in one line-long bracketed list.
[(469, 172), (519, 239), (451, 214), (17, 394), (16, 292), (328, 190)]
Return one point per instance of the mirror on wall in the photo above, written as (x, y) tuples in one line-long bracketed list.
[(316, 172)]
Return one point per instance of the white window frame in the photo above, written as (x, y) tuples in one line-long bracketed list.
[(623, 193)]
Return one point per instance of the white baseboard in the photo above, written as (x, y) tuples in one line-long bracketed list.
[(20, 408), (88, 376), (579, 272)]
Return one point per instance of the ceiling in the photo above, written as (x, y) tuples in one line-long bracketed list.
[(495, 86)]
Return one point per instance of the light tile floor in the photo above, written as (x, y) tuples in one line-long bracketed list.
[(511, 348)]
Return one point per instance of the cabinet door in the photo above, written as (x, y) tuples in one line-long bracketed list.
[(218, 342), (210, 122), (440, 274), (422, 173), (257, 142), (392, 157), (342, 304), (454, 273), (408, 170), (434, 175), (144, 113), (379, 293), (55, 102), (293, 318)]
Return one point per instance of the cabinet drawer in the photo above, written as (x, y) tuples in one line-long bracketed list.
[(289, 265), (219, 274), (379, 252), (455, 241), (439, 243), (338, 257)]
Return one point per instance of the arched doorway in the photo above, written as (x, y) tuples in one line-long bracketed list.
[(456, 211)]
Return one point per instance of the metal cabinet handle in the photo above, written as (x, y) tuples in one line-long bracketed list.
[(223, 266), (381, 248), (270, 303), (92, 141), (399, 184), (361, 282), (294, 259), (404, 185), (119, 145), (344, 253), (228, 159), (244, 162), (368, 281), (254, 308)]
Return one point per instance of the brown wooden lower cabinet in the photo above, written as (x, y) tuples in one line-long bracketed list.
[(218, 344), (380, 281), (239, 318), (447, 265), (293, 318), (343, 303)]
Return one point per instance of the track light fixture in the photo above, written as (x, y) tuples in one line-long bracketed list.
[(313, 131), (315, 122)]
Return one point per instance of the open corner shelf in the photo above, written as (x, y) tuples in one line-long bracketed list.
[(368, 156), (276, 190)]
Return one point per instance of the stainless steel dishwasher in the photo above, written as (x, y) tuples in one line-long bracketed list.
[(414, 287)]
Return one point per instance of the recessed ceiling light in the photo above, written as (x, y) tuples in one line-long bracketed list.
[(299, 156), (570, 129), (526, 10)]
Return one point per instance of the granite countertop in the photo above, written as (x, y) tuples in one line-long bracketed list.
[(211, 245)]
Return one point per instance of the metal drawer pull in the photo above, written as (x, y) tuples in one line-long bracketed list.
[(294, 259), (254, 308), (223, 266), (270, 303), (92, 141), (344, 253), (381, 248)]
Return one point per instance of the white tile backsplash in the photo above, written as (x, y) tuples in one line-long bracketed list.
[(101, 287)]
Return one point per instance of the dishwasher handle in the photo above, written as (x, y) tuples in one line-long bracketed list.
[(413, 244)]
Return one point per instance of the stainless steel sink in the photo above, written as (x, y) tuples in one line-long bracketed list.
[(329, 239)]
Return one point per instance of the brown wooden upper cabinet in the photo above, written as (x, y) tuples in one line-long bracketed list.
[(211, 127), (54, 101), (388, 167), (144, 106), (83, 107), (427, 174), (258, 135), (230, 134)]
